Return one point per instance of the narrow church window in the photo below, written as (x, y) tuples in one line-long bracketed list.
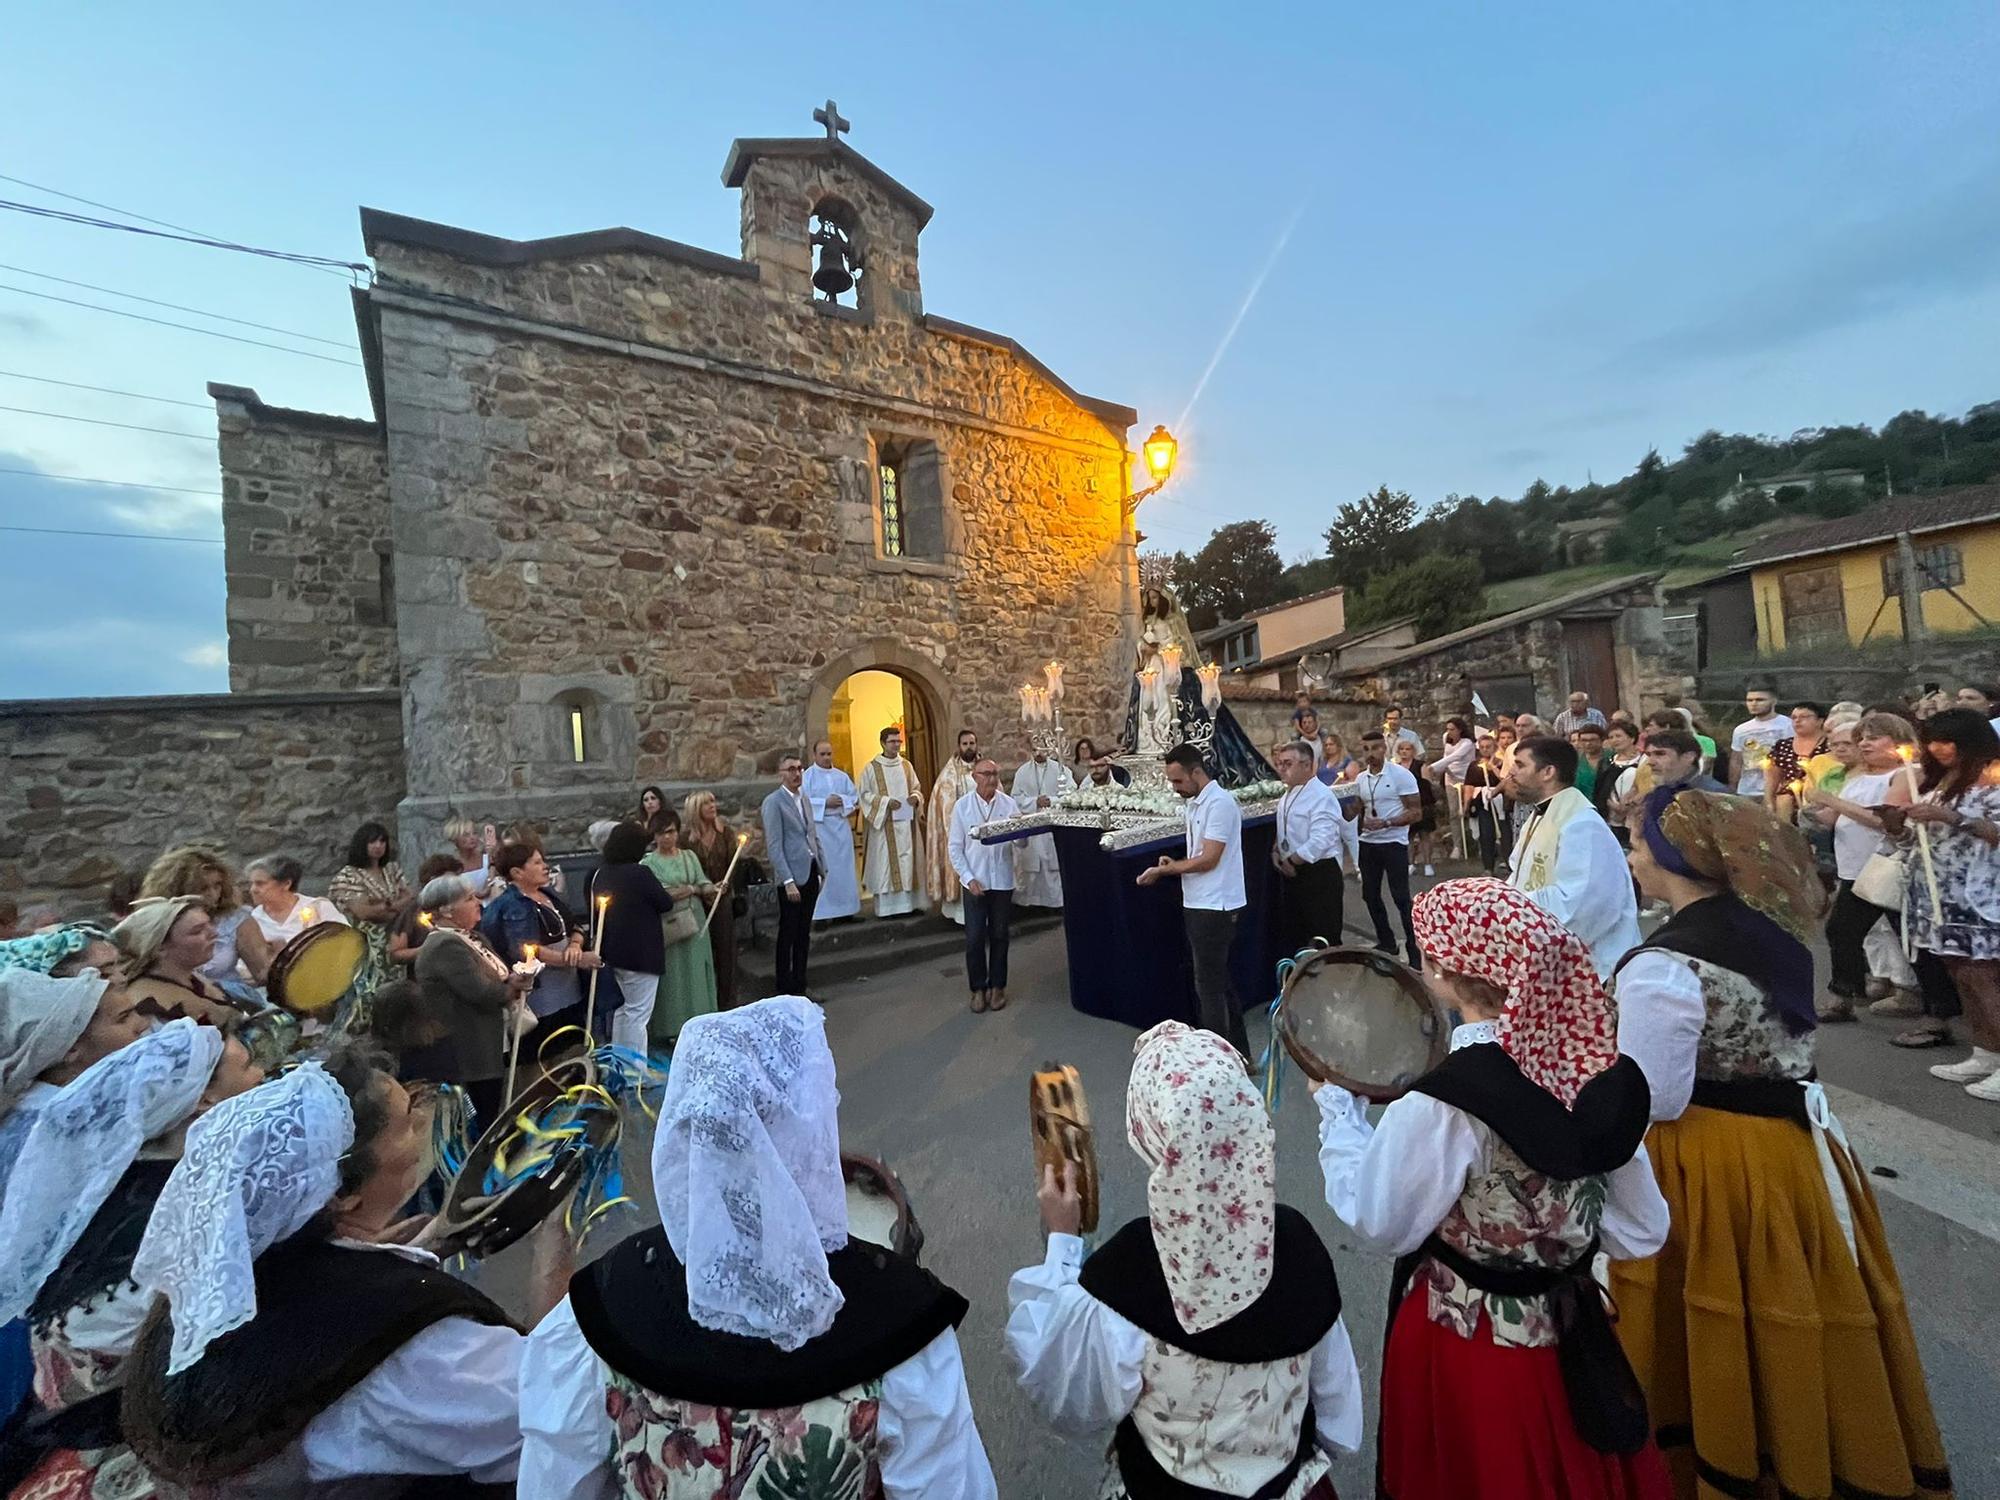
[(890, 480), (576, 735)]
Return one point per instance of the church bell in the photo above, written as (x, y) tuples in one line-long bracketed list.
[(832, 277)]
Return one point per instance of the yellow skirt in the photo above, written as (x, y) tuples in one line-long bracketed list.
[(1773, 1363)]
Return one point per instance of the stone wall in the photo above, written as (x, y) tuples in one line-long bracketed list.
[(1867, 677), (1266, 715), (305, 523), (641, 486), (90, 787)]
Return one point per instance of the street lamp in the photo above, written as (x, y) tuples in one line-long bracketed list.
[(1160, 450)]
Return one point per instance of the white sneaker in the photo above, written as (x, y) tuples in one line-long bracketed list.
[(1973, 1070), (1988, 1088)]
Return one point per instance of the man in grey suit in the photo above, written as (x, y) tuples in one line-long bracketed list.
[(792, 841)]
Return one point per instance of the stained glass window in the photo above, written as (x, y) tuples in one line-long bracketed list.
[(891, 484)]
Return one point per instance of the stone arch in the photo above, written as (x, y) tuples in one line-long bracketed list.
[(885, 655)]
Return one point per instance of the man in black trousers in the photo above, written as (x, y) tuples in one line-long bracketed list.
[(1313, 849), (1390, 803), (791, 838)]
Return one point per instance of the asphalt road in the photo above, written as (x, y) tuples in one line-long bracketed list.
[(941, 1095)]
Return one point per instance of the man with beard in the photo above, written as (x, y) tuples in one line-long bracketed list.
[(954, 781)]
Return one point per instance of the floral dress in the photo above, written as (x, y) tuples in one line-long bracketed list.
[(1968, 881), (679, 1450), (352, 885)]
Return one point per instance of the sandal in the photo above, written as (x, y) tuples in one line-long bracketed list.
[(1921, 1036), (979, 1002)]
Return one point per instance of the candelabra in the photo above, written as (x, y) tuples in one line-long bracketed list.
[(1041, 713), (1167, 720)]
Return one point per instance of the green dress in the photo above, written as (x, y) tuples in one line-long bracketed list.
[(687, 984)]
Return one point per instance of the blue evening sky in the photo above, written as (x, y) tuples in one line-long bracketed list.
[(1526, 239)]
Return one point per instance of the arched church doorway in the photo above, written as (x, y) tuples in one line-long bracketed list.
[(865, 703)]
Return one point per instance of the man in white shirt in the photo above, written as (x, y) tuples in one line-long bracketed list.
[(1212, 891), (1390, 803), (1392, 728), (1448, 771), (1314, 848), (1566, 859), (986, 876), (1751, 743)]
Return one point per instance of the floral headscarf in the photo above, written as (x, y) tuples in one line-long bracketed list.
[(1775, 898), (1559, 1026), (1195, 1120)]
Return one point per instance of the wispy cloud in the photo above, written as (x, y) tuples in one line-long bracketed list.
[(1522, 458), (207, 654)]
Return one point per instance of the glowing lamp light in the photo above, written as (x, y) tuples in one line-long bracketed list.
[(1160, 450), (1052, 673)]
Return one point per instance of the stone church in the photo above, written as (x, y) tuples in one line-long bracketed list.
[(630, 511)]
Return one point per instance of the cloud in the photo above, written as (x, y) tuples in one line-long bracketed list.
[(1845, 274), (207, 654), (1521, 458), (25, 325)]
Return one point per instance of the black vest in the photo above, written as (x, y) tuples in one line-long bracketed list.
[(1290, 1316), (101, 1259), (1598, 1133), (327, 1315), (632, 1309)]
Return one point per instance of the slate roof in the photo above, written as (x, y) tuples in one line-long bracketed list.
[(1936, 511)]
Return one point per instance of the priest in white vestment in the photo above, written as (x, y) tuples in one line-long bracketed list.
[(890, 798), (833, 796), (1037, 879), (1566, 859), (954, 781)]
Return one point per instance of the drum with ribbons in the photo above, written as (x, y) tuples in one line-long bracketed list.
[(1059, 1125), (1364, 1020)]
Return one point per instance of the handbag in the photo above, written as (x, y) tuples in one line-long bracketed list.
[(1883, 881), (682, 923)]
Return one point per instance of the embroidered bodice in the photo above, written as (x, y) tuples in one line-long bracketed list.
[(1222, 1426), (1743, 1037)]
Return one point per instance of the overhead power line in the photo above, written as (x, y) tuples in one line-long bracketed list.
[(126, 213), (112, 291), (125, 536), (214, 333), (359, 268), (63, 416), (123, 484), (103, 390)]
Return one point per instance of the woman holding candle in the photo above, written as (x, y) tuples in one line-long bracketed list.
[(470, 985), (687, 975), (1954, 903), (630, 902), (528, 914), (280, 911), (711, 842), (370, 889)]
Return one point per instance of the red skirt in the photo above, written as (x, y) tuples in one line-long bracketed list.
[(1469, 1419)]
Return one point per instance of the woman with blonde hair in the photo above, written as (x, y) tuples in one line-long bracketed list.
[(203, 870), (711, 842), (167, 942)]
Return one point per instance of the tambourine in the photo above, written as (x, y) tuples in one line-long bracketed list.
[(878, 1209), (1361, 1019), (1059, 1122), (476, 1223), (311, 972)]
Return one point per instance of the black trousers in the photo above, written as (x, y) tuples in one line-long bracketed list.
[(1209, 935), (988, 918), (1847, 927), (1390, 862), (795, 929), (1310, 906), (1486, 830)]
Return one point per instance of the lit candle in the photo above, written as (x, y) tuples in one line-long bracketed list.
[(1053, 672), (722, 892), (1923, 835), (306, 916), (423, 919), (1148, 678), (1170, 664), (1211, 685), (597, 935), (1027, 705), (597, 948)]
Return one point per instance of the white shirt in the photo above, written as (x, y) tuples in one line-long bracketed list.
[(926, 1441), (992, 865), (278, 933), (1382, 793), (1765, 732), (1393, 1184), (1590, 890), (1310, 825), (1081, 1363), (1661, 1014), (1214, 817), (1853, 842), (1457, 759)]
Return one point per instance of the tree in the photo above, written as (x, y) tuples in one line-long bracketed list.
[(1441, 589), (1371, 535), (1237, 570), (1649, 480)]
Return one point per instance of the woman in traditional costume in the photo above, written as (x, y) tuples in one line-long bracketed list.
[(1207, 1332), (79, 1198), (1496, 1180), (745, 1345), (346, 1363), (1770, 1334)]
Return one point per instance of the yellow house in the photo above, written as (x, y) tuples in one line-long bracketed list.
[(1842, 579)]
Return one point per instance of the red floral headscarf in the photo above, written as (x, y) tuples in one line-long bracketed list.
[(1196, 1120), (1559, 1025)]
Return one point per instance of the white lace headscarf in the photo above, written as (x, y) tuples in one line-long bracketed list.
[(746, 1167), (41, 1018), (255, 1169), (83, 1141)]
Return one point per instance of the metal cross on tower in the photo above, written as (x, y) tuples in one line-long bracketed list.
[(830, 118)]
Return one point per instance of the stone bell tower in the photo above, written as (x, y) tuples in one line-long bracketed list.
[(825, 225)]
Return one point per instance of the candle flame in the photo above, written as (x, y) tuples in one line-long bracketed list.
[(742, 839), (1906, 752), (423, 919), (306, 914), (528, 951), (602, 902)]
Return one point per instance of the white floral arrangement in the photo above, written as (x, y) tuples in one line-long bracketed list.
[(1160, 802)]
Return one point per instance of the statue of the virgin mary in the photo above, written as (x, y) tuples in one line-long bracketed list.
[(1232, 759)]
